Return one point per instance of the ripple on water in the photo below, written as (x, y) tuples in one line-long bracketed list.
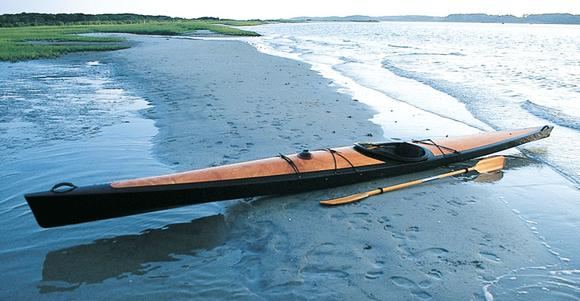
[(69, 120), (540, 283), (61, 101), (414, 288)]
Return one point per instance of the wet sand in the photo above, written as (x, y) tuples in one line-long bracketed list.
[(214, 102)]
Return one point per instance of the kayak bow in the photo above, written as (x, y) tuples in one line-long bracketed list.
[(68, 204)]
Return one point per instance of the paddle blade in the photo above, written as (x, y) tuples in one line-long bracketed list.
[(347, 199), (490, 164)]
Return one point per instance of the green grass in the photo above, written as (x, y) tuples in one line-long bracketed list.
[(34, 42)]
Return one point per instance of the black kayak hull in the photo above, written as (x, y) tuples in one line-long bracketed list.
[(91, 203)]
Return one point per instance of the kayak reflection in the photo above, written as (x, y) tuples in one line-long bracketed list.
[(67, 269)]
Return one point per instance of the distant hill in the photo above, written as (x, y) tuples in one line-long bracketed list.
[(471, 18), (483, 18), (535, 19), (359, 18), (355, 18), (553, 19)]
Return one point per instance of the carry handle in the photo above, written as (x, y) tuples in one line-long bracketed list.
[(63, 187)]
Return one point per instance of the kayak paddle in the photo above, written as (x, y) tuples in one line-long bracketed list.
[(486, 165)]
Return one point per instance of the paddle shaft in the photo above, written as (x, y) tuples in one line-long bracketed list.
[(421, 181), (361, 196), (483, 166)]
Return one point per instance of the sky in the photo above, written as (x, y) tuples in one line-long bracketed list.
[(264, 9)]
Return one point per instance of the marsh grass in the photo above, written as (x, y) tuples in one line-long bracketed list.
[(33, 42)]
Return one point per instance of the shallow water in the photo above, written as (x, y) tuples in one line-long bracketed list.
[(68, 119), (485, 76)]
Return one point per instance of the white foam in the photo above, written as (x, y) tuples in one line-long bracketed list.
[(487, 293), (391, 113)]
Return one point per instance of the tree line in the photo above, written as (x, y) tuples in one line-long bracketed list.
[(37, 19)]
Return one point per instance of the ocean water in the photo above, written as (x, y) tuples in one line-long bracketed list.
[(476, 76)]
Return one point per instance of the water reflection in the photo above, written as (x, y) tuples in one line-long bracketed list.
[(489, 177), (67, 269), (512, 162)]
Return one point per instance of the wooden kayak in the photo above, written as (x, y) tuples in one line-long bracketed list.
[(67, 204)]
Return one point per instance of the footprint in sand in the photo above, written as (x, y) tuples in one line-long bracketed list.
[(413, 229), (359, 224), (372, 275), (435, 274), (412, 287), (383, 219), (438, 252), (319, 262), (489, 256), (456, 202)]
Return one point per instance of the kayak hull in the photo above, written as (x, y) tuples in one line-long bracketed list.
[(82, 204)]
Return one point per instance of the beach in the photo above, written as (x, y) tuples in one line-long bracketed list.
[(212, 102)]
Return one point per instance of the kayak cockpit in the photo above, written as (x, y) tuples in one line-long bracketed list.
[(398, 151)]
